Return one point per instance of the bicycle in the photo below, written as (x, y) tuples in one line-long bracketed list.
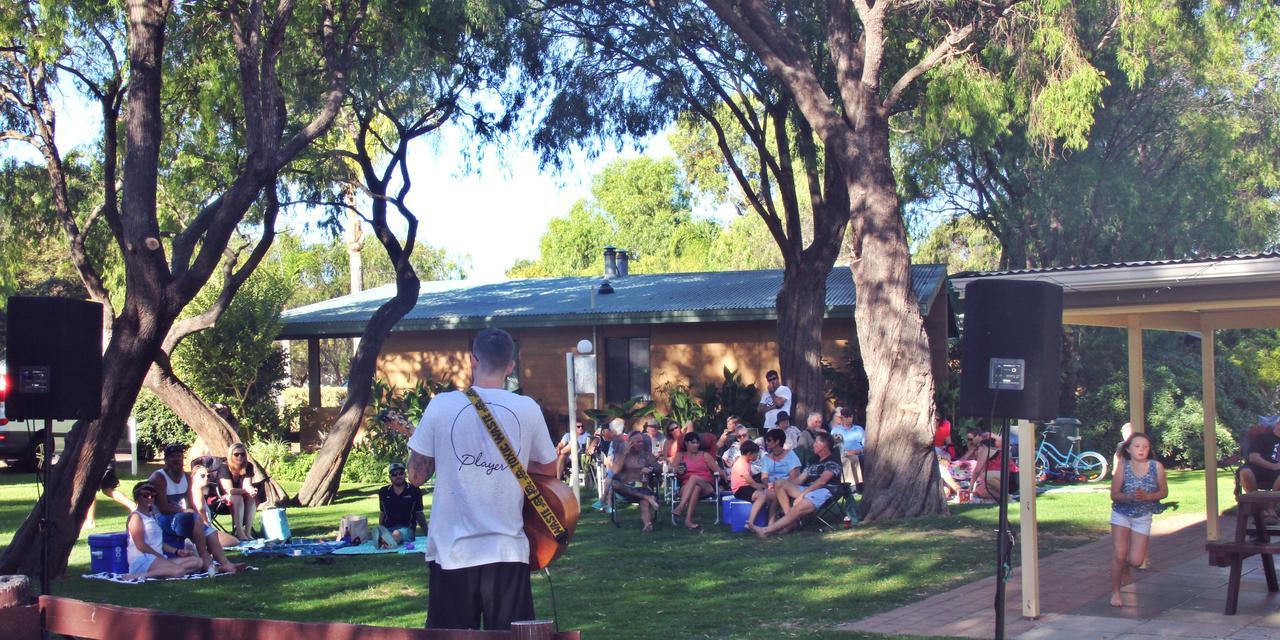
[(1087, 465)]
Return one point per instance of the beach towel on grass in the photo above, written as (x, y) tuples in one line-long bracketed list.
[(371, 548), (299, 547), (119, 578)]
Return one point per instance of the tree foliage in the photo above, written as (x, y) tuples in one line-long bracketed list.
[(1179, 161), (642, 205), (237, 362)]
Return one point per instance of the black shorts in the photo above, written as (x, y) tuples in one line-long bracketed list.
[(110, 481), (746, 492), (1266, 477), (497, 594)]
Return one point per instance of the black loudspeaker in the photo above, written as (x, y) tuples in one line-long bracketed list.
[(54, 359), (1012, 349)]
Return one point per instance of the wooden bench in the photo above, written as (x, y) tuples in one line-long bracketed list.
[(1233, 554)]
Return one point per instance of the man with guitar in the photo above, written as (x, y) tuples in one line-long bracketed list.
[(477, 552)]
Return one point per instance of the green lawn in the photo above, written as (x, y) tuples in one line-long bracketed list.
[(622, 583)]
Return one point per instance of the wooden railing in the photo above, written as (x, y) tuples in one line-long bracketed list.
[(109, 622)]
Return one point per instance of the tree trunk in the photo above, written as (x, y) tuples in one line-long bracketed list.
[(75, 479), (802, 304), (321, 485), (902, 469), (217, 433)]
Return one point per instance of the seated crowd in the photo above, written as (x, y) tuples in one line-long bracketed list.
[(788, 473)]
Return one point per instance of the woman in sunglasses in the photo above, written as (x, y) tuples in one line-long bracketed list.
[(149, 555), (236, 480)]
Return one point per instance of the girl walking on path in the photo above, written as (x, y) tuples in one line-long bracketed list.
[(1136, 490)]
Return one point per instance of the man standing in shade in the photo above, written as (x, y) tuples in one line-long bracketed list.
[(477, 553), (776, 398)]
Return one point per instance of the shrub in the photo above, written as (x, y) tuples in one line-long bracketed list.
[(293, 467), (1177, 424), (685, 407), (630, 411), (158, 426), (365, 466), (237, 362), (386, 444), (269, 453), (733, 397)]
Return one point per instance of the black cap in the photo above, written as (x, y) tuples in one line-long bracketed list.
[(176, 447)]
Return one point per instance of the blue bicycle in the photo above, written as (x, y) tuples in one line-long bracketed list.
[(1088, 466)]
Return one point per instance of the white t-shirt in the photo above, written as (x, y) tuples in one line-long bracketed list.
[(771, 416), (476, 510)]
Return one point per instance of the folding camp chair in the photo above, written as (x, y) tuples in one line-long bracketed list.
[(672, 484), (652, 482), (835, 508)]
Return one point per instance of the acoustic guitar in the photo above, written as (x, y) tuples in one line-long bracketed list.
[(543, 546)]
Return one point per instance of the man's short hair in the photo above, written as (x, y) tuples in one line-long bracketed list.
[(772, 375), (494, 349), (732, 419), (783, 415), (812, 415), (747, 448)]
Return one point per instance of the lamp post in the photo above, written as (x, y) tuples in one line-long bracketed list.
[(584, 348)]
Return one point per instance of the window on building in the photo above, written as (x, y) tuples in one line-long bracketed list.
[(626, 373)]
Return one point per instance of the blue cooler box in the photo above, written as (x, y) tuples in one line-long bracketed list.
[(275, 525), (737, 511), (108, 553)]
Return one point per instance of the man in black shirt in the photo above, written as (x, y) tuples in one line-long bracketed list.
[(400, 506), (1262, 468)]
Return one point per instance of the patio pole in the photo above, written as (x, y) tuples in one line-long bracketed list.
[(1137, 406), (1029, 529), (313, 372), (1209, 390)]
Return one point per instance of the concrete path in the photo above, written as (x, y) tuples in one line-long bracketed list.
[(1179, 595)]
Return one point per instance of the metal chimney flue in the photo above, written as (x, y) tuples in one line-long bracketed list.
[(624, 263), (610, 263)]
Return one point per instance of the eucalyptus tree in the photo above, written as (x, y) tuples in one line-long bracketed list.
[(440, 63), (1180, 162), (838, 73), (273, 81), (631, 68)]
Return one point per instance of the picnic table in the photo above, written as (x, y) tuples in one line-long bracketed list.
[(1256, 504)]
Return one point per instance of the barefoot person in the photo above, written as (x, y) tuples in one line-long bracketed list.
[(799, 500), (697, 472), (236, 479), (147, 551), (1136, 488), (477, 552), (630, 471)]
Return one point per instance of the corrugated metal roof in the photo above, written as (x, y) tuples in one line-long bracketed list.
[(546, 302), (1230, 257)]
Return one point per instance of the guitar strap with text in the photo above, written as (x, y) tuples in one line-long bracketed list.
[(531, 492)]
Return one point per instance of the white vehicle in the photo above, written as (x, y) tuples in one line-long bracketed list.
[(22, 441)]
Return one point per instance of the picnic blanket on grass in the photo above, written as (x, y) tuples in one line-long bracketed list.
[(119, 578), (371, 548), (297, 547)]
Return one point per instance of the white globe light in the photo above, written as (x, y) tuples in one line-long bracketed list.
[(584, 346)]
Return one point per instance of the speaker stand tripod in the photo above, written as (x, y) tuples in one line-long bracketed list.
[(1004, 538), (45, 523)]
